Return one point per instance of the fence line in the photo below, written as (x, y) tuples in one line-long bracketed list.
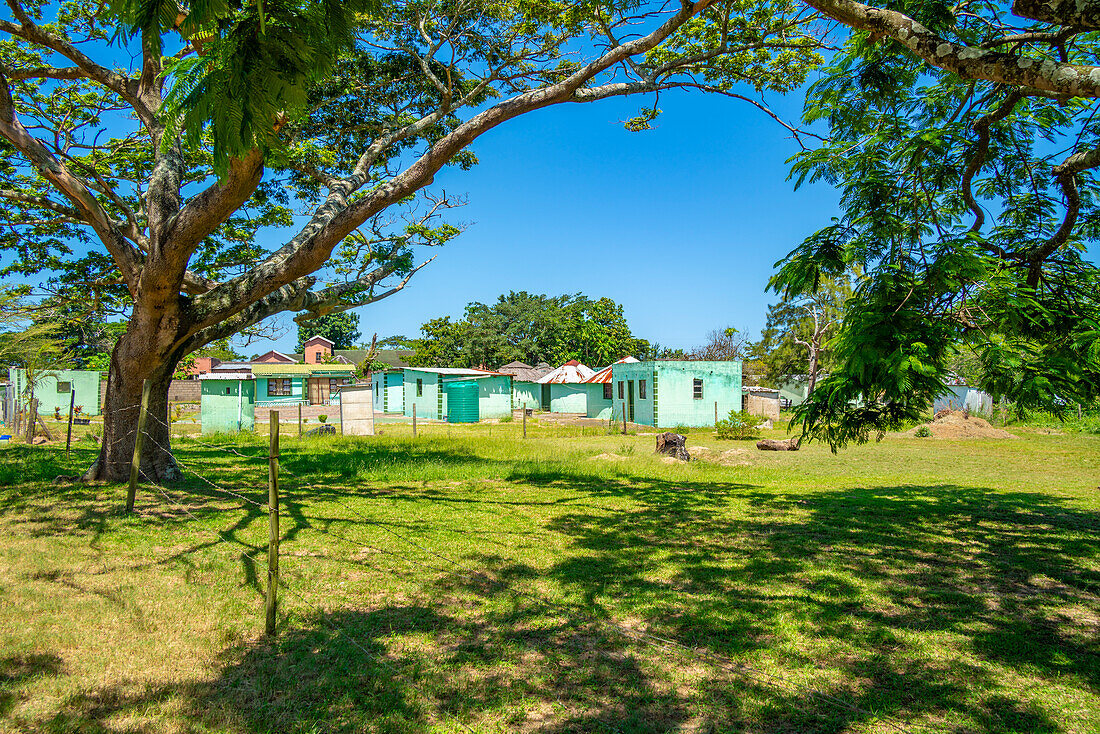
[(642, 637)]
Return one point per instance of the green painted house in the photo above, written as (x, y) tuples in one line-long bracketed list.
[(306, 384), (389, 391), (676, 393), (426, 389), (228, 402), (56, 387), (526, 390)]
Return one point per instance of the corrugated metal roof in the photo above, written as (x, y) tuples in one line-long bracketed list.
[(227, 376), (570, 372), (465, 371), (604, 375)]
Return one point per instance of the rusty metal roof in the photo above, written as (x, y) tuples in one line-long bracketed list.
[(604, 375), (570, 372)]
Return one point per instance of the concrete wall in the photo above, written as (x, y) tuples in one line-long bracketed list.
[(84, 382), (394, 398), (793, 392), (765, 406), (494, 397), (670, 397), (569, 398), (597, 406), (182, 391), (526, 392), (432, 403), (357, 410), (228, 406), (297, 391)]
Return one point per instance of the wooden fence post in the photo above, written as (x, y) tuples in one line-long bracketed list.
[(139, 443), (715, 412), (624, 417), (69, 433), (272, 601), (525, 420), (299, 420), (17, 407), (32, 418), (414, 420)]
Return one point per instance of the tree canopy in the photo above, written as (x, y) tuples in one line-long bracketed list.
[(529, 328), (964, 143), (342, 329), (210, 165)]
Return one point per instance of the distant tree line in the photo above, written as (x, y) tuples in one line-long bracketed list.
[(531, 328)]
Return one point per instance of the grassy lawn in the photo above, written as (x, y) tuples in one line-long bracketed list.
[(467, 580)]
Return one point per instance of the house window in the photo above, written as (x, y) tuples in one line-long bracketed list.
[(64, 387), (697, 388), (620, 389), (607, 391), (419, 388), (228, 391), (278, 386), (641, 389), (335, 383)]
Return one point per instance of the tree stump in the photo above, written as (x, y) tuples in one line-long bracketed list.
[(773, 444), (673, 444)]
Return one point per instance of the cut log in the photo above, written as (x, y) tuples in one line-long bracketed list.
[(674, 445), (772, 444)]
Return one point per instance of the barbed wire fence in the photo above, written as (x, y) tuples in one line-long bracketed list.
[(432, 560)]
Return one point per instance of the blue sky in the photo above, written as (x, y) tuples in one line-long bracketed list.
[(681, 224)]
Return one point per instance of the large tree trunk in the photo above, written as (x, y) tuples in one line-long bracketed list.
[(135, 360)]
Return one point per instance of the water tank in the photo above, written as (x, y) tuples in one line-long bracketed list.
[(462, 401)]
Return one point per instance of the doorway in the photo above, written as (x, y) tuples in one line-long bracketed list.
[(630, 400)]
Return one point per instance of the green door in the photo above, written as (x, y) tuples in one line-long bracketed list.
[(630, 400), (546, 398)]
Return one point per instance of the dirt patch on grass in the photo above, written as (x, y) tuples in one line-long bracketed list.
[(608, 457), (955, 424), (728, 457)]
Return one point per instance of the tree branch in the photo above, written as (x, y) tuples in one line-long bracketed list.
[(1056, 78), (1084, 14)]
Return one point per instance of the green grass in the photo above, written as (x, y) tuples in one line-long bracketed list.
[(470, 580)]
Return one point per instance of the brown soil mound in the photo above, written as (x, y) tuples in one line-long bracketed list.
[(729, 457), (953, 424)]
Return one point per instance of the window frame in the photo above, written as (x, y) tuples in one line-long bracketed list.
[(68, 386), (419, 387), (278, 387), (608, 391), (621, 390), (697, 388)]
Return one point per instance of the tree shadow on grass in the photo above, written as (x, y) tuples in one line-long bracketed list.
[(866, 581)]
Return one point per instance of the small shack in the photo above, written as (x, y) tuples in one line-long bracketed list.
[(55, 388), (964, 397), (677, 393), (761, 401), (601, 402), (564, 390), (228, 402)]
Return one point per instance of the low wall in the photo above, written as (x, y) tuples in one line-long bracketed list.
[(180, 391)]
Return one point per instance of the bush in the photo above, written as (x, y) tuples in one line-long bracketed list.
[(923, 432), (322, 417), (739, 426), (507, 418)]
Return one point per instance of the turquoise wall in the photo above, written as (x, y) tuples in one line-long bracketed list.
[(394, 398), (597, 406), (494, 397), (84, 382), (670, 397), (228, 406), (634, 373), (297, 391), (432, 404), (568, 398), (526, 392)]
